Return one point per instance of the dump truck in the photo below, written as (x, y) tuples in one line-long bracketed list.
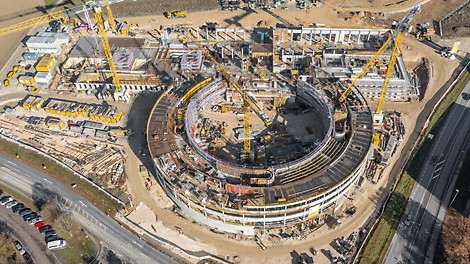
[(176, 14)]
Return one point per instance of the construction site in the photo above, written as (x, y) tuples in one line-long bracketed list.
[(257, 130), (269, 131)]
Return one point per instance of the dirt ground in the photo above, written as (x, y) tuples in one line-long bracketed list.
[(147, 7), (8, 16), (370, 194), (248, 251)]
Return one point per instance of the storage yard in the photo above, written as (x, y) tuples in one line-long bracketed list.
[(264, 133), (87, 138)]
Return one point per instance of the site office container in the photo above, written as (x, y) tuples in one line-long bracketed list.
[(43, 77), (37, 104), (26, 80), (46, 64)]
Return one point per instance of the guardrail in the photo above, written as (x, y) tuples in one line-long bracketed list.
[(29, 147), (426, 124)]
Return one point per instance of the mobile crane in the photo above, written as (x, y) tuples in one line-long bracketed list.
[(249, 101), (120, 93), (393, 40)]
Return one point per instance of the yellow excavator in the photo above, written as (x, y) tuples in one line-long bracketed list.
[(176, 14)]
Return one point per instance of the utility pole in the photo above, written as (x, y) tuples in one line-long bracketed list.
[(457, 192)]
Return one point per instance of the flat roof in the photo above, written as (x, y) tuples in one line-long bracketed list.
[(85, 46)]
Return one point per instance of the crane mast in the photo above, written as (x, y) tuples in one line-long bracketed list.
[(249, 101), (388, 76), (395, 39), (108, 53), (112, 24), (120, 94)]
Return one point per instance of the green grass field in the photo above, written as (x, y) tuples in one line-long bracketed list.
[(80, 248), (20, 198)]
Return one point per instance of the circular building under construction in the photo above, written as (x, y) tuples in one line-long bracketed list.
[(298, 169)]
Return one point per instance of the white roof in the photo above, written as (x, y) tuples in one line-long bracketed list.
[(42, 75), (59, 35)]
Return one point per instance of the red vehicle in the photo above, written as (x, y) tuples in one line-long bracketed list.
[(40, 224)]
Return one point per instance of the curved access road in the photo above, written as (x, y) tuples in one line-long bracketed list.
[(35, 183)]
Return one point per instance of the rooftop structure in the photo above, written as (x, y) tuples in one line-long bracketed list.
[(249, 198), (47, 42)]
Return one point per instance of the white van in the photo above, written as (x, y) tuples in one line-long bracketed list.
[(55, 244)]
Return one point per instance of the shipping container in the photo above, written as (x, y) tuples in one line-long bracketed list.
[(26, 80), (46, 64), (29, 56), (43, 77)]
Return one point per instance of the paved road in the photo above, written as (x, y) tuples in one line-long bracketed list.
[(417, 234), (35, 184), (30, 238)]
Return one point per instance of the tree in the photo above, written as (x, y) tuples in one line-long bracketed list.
[(454, 242)]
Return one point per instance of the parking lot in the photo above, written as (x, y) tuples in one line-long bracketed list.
[(30, 238)]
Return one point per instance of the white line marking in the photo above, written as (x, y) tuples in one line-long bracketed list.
[(46, 180), (137, 244)]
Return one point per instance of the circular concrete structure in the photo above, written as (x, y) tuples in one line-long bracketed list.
[(255, 199)]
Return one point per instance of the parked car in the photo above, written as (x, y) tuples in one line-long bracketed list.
[(25, 211), (17, 207), (11, 204), (51, 238), (55, 244), (40, 224), (50, 233), (45, 228), (19, 247), (5, 199), (314, 251), (28, 259), (30, 216), (35, 220)]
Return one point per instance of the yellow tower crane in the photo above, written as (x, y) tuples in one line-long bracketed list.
[(112, 24), (249, 101), (394, 39), (119, 94)]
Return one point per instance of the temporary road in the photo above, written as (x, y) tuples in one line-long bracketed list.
[(35, 183), (418, 231)]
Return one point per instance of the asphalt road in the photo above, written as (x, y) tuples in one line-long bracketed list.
[(416, 237), (37, 185)]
